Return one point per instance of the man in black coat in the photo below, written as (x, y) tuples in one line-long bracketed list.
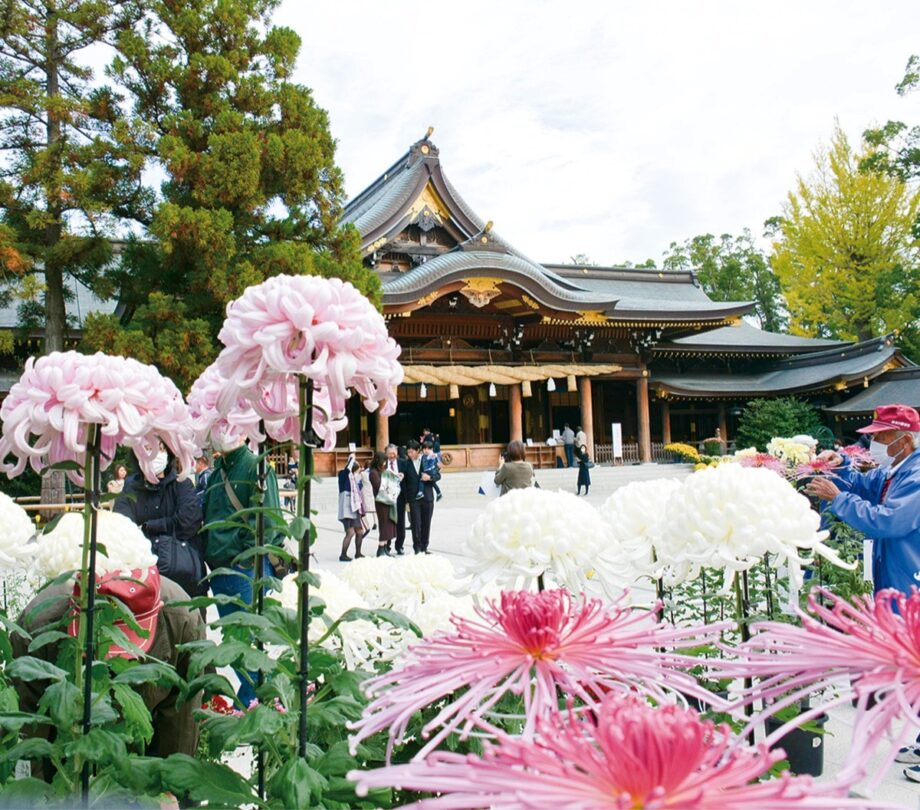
[(421, 510)]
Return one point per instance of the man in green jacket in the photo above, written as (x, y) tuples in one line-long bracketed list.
[(232, 486)]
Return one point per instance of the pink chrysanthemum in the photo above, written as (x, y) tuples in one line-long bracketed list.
[(59, 394), (629, 755), (816, 466), (542, 646), (323, 329), (858, 453), (764, 460), (870, 646)]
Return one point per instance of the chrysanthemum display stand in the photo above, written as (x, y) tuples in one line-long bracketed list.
[(303, 521), (85, 633)]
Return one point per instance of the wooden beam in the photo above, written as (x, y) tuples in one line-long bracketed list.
[(515, 413), (645, 432), (587, 412)]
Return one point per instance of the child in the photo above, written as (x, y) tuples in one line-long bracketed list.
[(429, 464)]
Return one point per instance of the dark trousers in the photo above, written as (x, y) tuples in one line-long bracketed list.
[(400, 521), (422, 512), (570, 455)]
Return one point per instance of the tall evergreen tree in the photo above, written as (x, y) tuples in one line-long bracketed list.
[(251, 186), (845, 252), (71, 168)]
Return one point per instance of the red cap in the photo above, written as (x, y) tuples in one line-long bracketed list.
[(139, 591), (893, 417)]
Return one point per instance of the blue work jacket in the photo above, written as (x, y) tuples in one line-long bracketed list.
[(894, 525)]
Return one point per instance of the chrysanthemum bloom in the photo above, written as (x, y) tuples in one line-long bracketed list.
[(16, 529), (789, 450), (362, 642), (220, 428), (636, 515), (533, 533), (817, 466), (729, 517), (765, 460), (628, 755), (543, 646), (59, 394), (61, 549), (870, 645), (323, 329)]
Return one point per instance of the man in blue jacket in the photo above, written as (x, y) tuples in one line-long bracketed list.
[(884, 504)]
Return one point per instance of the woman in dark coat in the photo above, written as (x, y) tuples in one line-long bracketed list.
[(169, 507), (385, 522), (584, 477)]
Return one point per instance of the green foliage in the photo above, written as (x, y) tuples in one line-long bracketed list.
[(895, 146), (74, 164), (251, 191), (732, 268), (764, 419), (845, 250)]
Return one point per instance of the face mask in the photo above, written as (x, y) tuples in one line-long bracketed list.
[(159, 463), (879, 453)]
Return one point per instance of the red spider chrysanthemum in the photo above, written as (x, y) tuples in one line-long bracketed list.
[(544, 647)]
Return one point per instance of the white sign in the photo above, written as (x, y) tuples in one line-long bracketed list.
[(530, 442), (351, 447), (557, 435), (617, 433)]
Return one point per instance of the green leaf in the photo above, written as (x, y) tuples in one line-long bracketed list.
[(29, 792), (134, 711), (336, 761), (30, 748), (150, 673), (63, 702), (99, 745), (210, 683), (67, 466), (28, 668), (13, 721), (231, 653), (298, 527), (218, 785), (296, 784), (207, 601), (46, 638)]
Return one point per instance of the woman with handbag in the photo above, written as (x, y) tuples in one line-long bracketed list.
[(584, 464), (385, 484), (169, 514), (351, 508)]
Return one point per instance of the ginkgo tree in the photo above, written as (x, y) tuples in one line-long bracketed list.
[(845, 252)]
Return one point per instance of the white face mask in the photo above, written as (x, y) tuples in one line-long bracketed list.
[(159, 463), (879, 453)]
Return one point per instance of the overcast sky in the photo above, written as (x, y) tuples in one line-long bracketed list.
[(609, 129)]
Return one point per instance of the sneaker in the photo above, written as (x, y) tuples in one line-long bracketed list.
[(440, 495), (909, 755), (913, 773), (419, 496), (382, 552), (426, 551), (344, 558), (400, 553)]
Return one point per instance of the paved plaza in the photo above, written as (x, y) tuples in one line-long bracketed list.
[(461, 504)]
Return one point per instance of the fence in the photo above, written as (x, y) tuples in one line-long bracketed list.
[(604, 453)]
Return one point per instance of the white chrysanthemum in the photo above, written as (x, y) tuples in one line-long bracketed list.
[(532, 532), (362, 642), (366, 576), (747, 452), (636, 515), (789, 450), (15, 531), (730, 516), (61, 549)]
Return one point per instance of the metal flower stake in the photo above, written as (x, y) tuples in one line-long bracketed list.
[(310, 340), (71, 411)]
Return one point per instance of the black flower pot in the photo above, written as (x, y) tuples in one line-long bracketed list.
[(804, 749)]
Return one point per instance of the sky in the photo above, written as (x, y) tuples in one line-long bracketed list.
[(606, 129)]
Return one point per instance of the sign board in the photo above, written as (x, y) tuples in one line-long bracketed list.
[(351, 447), (617, 433), (557, 435), (530, 442)]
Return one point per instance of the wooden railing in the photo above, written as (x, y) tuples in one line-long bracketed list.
[(604, 453)]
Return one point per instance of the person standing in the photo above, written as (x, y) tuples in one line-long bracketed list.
[(168, 509), (568, 442), (421, 510), (883, 504), (397, 466), (584, 477), (202, 474), (351, 508), (233, 487), (581, 440), (117, 484), (514, 472), (385, 486)]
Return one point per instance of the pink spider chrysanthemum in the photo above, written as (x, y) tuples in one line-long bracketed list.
[(46, 413), (544, 647), (322, 329), (764, 460), (870, 646), (817, 466), (628, 755)]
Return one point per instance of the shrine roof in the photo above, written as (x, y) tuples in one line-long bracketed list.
[(744, 338), (900, 385)]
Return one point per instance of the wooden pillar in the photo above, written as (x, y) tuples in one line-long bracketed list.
[(383, 429), (515, 413), (645, 430), (587, 412), (723, 422), (665, 421)]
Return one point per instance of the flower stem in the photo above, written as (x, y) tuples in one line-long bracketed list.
[(541, 585), (742, 617), (259, 596)]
